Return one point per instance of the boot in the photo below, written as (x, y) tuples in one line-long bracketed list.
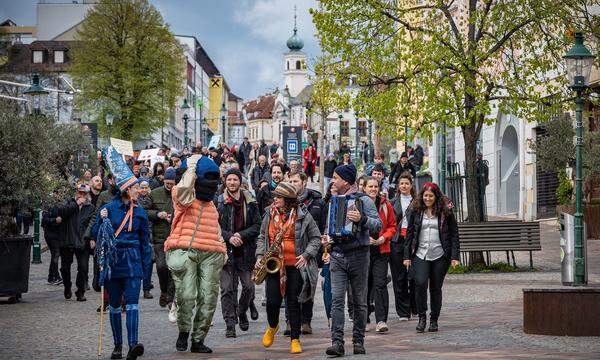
[(230, 332), (135, 351), (433, 325), (422, 323), (163, 300), (336, 350), (68, 294), (306, 329), (359, 349), (182, 341), (295, 347), (244, 325), (269, 336), (199, 347), (253, 311), (117, 352), (148, 295)]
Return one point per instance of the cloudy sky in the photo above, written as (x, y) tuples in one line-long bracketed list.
[(245, 38)]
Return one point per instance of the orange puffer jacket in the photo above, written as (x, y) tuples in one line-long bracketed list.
[(208, 236)]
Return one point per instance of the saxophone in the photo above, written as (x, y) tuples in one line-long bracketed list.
[(270, 262)]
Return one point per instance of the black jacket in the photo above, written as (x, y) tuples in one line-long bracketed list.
[(399, 169), (258, 173), (264, 198), (330, 166), (75, 221), (264, 150), (249, 233), (314, 203), (52, 230), (447, 227)]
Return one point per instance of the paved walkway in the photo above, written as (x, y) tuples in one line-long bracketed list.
[(481, 318)]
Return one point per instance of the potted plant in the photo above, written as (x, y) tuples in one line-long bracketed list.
[(35, 156)]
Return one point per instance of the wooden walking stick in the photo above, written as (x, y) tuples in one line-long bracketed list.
[(101, 331)]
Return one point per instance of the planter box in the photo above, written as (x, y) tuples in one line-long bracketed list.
[(591, 217), (15, 258)]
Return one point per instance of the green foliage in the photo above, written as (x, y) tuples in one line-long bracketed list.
[(128, 64), (451, 62), (482, 268), (36, 154), (564, 191)]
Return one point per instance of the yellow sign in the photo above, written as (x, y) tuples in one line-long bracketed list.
[(215, 101)]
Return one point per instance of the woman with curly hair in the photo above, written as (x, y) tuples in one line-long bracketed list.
[(431, 246)]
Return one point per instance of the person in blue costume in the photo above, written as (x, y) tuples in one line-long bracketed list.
[(126, 255)]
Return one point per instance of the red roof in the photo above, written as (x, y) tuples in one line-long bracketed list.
[(261, 108)]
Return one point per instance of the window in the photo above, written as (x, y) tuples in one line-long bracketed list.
[(362, 128), (38, 56), (59, 56), (298, 65), (288, 65), (344, 128)]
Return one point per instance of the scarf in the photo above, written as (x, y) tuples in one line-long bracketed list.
[(282, 222), (238, 211), (272, 185)]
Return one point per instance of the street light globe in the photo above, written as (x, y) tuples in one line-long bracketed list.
[(35, 93), (579, 63), (109, 118)]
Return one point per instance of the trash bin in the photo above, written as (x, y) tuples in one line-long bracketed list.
[(567, 248), (15, 258)]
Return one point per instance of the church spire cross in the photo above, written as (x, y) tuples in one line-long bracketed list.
[(295, 16)]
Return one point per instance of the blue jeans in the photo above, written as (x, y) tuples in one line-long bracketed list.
[(350, 269)]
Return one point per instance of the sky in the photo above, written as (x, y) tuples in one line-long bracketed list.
[(244, 38)]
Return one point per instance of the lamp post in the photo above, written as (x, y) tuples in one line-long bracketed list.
[(109, 118), (223, 119), (579, 63), (371, 150), (36, 92), (356, 156), (340, 117), (282, 124), (185, 108), (442, 175)]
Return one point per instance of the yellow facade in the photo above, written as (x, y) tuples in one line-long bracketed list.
[(215, 101)]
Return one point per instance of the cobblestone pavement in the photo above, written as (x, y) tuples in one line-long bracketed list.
[(481, 318)]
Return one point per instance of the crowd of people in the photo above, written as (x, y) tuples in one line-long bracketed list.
[(205, 219)]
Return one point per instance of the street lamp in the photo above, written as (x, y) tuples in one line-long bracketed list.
[(340, 117), (371, 150), (579, 63), (35, 92), (282, 123), (185, 108), (223, 119), (109, 121), (357, 120)]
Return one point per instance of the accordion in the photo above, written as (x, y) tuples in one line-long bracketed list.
[(338, 224)]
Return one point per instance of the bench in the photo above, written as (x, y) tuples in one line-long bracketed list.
[(509, 236)]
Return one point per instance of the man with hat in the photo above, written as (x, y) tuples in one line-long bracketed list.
[(349, 260), (195, 251), (123, 262), (240, 222), (160, 213), (75, 214)]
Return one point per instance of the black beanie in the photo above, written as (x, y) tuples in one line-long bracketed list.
[(347, 173), (233, 171)]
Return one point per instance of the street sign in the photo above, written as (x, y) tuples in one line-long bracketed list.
[(292, 138)]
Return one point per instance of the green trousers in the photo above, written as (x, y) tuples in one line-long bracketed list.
[(197, 285)]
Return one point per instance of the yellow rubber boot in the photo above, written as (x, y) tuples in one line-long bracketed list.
[(295, 347), (269, 336)]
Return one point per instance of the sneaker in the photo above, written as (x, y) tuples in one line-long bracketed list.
[(100, 308), (230, 332), (58, 281), (433, 325), (421, 325), (381, 327), (359, 349), (335, 350), (199, 347), (117, 352), (295, 347), (182, 341), (173, 313), (269, 336), (243, 321), (402, 318), (148, 295)]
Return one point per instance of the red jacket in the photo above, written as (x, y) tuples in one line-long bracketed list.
[(388, 219), (306, 154)]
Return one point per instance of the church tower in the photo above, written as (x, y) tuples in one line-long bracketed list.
[(295, 73)]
